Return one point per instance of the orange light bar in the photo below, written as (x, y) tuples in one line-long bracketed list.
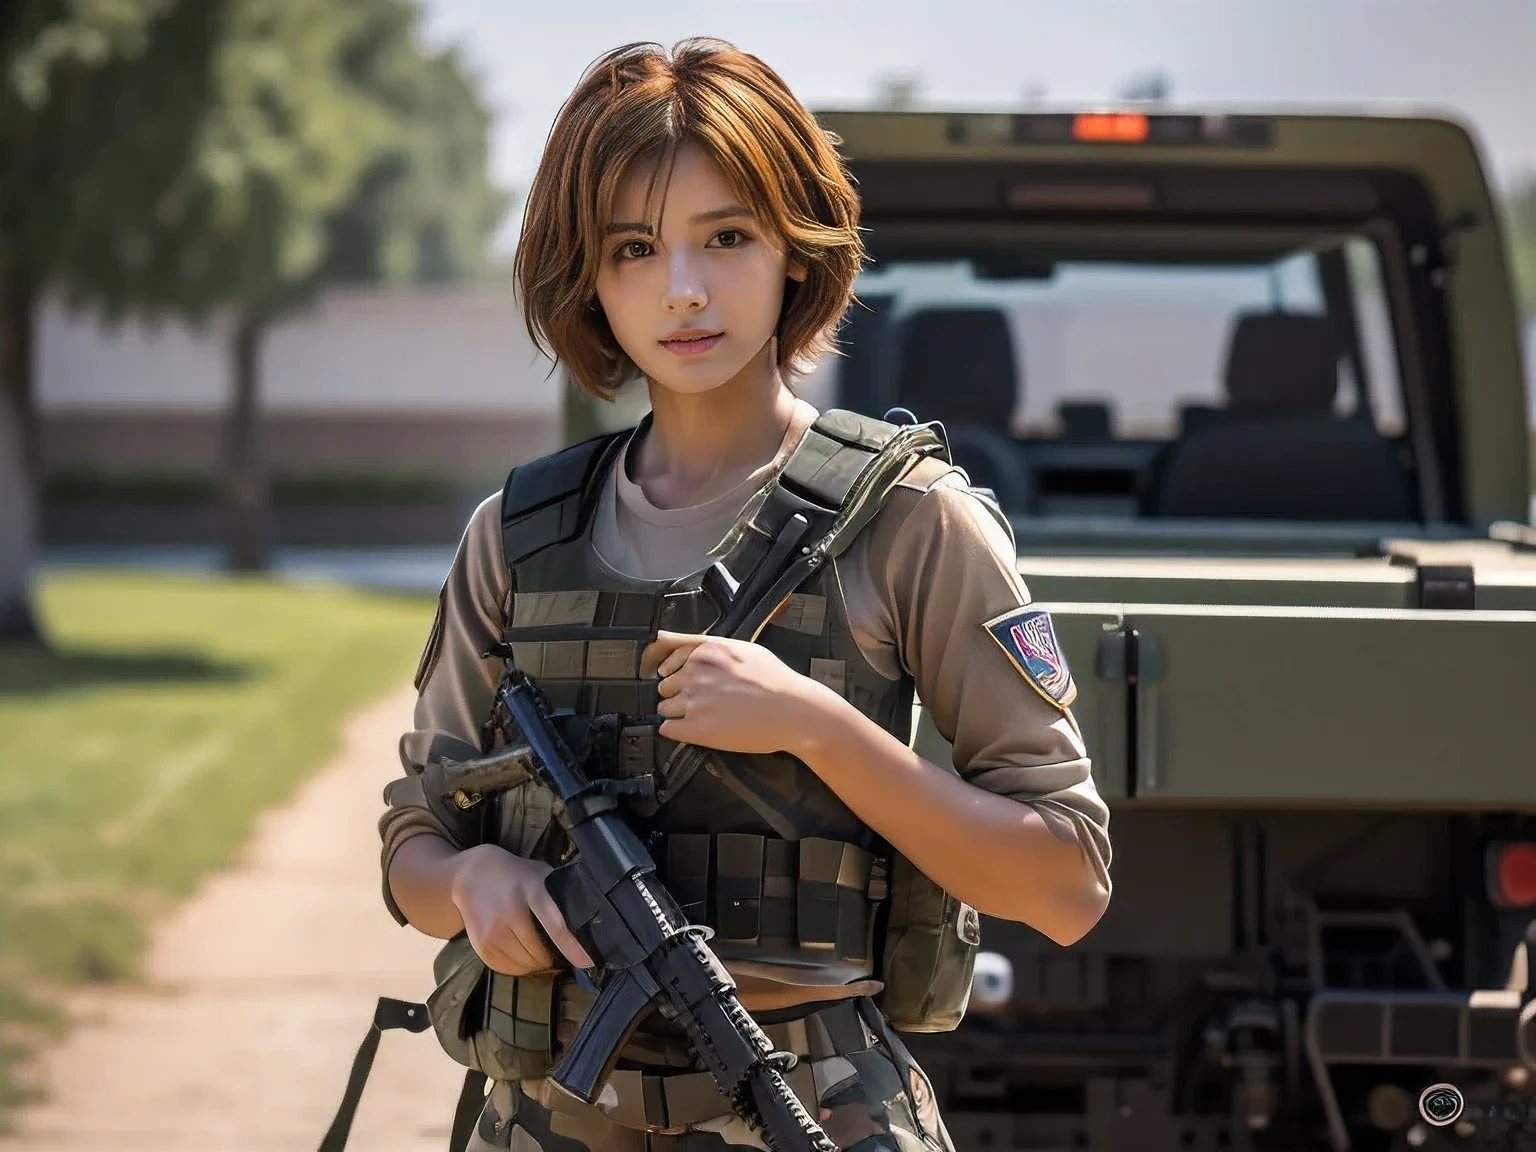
[(1110, 127)]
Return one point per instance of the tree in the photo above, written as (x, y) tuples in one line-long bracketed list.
[(234, 235), (425, 208), (63, 67), (333, 151), (233, 158)]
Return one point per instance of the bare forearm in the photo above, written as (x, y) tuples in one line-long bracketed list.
[(996, 854), (421, 881)]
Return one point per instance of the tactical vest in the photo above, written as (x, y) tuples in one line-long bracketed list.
[(758, 848)]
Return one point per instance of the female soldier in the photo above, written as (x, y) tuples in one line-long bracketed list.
[(692, 224)]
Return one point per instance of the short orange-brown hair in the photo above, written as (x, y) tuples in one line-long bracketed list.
[(638, 103)]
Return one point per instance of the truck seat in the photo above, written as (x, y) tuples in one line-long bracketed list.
[(958, 365), (1279, 452)]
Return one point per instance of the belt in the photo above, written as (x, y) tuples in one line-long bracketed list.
[(664, 1102)]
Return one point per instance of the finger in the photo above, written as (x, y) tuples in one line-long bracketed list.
[(523, 935), (674, 707), (660, 648), (675, 659), (650, 656), (543, 906), (506, 955), (673, 730), (532, 941), (669, 686)]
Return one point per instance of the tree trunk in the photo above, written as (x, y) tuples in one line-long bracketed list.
[(247, 511), (20, 459)]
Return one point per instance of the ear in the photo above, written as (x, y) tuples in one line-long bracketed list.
[(797, 271)]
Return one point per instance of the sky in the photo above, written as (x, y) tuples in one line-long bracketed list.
[(1474, 59)]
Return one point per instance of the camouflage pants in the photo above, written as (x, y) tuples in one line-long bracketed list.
[(862, 1099)]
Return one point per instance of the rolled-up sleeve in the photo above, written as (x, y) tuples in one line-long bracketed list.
[(455, 685), (943, 564)]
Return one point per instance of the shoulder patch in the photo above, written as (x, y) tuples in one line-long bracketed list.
[(1028, 638)]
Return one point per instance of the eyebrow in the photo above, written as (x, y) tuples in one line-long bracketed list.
[(728, 212)]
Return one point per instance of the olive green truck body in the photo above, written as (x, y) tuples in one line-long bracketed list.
[(1250, 389)]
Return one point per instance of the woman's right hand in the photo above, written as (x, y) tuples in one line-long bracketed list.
[(503, 901)]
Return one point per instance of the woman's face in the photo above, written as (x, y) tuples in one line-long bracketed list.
[(696, 302)]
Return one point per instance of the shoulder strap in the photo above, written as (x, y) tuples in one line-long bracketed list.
[(547, 501), (834, 482), (841, 446)]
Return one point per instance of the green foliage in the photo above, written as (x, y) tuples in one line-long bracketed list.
[(61, 63), (425, 208), (228, 159), (42, 38), (184, 156), (230, 207)]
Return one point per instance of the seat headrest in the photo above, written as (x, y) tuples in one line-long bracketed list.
[(958, 365), (863, 382), (1282, 364), (1085, 420)]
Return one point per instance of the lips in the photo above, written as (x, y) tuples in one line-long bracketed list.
[(693, 342)]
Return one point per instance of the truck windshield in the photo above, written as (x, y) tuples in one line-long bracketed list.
[(1196, 384)]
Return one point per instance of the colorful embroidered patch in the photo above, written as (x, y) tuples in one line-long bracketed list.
[(1029, 639)]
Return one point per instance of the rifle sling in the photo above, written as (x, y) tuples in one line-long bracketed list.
[(390, 1014)]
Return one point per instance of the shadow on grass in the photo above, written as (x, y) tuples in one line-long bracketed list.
[(36, 671)]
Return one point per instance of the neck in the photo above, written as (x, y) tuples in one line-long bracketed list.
[(703, 443)]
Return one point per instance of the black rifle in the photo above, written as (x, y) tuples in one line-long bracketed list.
[(647, 955)]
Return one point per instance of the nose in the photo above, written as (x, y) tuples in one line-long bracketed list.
[(685, 290)]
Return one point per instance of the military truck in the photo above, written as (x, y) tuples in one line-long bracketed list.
[(1250, 390)]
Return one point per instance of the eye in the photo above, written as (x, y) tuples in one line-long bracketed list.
[(730, 238), (632, 250)]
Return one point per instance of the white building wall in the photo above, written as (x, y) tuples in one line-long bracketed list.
[(451, 350)]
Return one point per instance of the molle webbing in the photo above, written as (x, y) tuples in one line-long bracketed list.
[(583, 646), (520, 1012), (813, 894)]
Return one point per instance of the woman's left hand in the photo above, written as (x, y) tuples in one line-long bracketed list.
[(730, 695)]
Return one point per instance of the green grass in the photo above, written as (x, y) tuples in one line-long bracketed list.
[(137, 753)]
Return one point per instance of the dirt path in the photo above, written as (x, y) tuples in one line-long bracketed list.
[(259, 990)]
